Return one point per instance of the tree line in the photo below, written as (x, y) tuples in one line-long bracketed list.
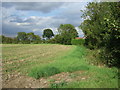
[(102, 30), (66, 32)]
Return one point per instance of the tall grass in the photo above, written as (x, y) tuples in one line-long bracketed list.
[(97, 77), (73, 61)]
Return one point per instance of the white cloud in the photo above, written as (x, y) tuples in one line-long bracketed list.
[(22, 24), (18, 20), (80, 32)]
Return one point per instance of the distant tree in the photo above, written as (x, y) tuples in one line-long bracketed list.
[(68, 28), (37, 39), (6, 39), (67, 32), (15, 40), (22, 37), (2, 38), (30, 37), (58, 39), (48, 33)]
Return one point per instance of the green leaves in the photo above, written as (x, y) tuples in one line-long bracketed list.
[(67, 32), (48, 33), (101, 27)]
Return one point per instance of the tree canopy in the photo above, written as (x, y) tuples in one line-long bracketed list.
[(48, 33), (67, 32), (101, 27)]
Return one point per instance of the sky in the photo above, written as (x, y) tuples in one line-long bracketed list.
[(37, 16)]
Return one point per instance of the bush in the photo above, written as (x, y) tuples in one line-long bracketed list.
[(77, 41), (52, 41), (43, 72)]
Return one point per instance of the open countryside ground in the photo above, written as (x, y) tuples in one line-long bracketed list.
[(54, 66)]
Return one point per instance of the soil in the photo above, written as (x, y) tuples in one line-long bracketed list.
[(23, 81)]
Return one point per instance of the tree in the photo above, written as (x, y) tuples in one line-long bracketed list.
[(31, 37), (6, 40), (58, 39), (22, 37), (67, 32), (37, 39), (48, 33), (15, 40), (101, 27)]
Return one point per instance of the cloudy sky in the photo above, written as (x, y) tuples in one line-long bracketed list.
[(37, 16)]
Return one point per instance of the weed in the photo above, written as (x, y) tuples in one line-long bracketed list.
[(44, 72), (58, 85)]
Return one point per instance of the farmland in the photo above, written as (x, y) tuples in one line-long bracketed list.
[(53, 66)]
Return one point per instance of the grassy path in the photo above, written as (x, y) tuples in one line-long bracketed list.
[(54, 66)]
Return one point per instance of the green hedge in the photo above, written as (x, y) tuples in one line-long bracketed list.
[(77, 41)]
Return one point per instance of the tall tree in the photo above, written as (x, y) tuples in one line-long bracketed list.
[(31, 36), (22, 37), (101, 27), (6, 39), (67, 32), (37, 39), (48, 33)]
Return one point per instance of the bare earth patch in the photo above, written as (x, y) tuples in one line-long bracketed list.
[(21, 81)]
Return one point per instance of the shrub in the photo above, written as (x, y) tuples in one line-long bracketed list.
[(43, 72), (77, 41), (52, 41)]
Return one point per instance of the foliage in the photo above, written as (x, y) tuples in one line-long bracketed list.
[(67, 32), (6, 39), (48, 33), (45, 71), (77, 41), (58, 39), (31, 37), (101, 27), (22, 38), (37, 39)]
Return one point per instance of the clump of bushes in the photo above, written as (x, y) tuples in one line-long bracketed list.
[(77, 41), (43, 72)]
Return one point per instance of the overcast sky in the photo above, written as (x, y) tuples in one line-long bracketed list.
[(37, 16)]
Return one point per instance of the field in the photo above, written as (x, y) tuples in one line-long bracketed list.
[(53, 66)]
